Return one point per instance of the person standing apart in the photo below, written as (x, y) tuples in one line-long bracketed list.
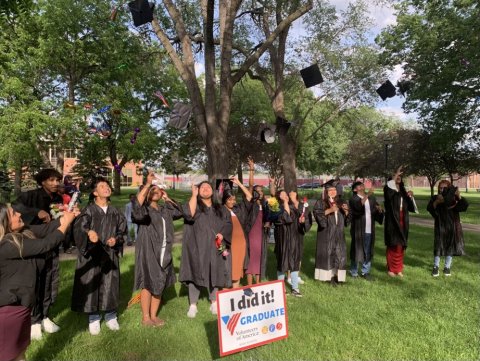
[(398, 204), (100, 232), (365, 211), (445, 208), (207, 235)]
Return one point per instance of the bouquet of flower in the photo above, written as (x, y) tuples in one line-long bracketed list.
[(221, 248), (56, 209), (273, 209)]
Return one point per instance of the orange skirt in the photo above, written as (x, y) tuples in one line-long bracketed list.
[(238, 249)]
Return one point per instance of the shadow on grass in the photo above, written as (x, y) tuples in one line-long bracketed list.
[(73, 323), (211, 330)]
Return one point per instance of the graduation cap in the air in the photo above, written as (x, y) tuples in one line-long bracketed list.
[(223, 185), (142, 11), (266, 133), (311, 75), (387, 90), (180, 115), (283, 125)]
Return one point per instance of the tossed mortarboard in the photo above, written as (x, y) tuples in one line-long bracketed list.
[(222, 185), (266, 133), (142, 11), (311, 75), (387, 90), (180, 115)]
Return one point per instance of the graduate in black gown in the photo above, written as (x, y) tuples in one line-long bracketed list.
[(34, 205), (365, 212), (398, 204), (153, 252), (204, 264), (332, 216), (290, 227), (100, 232), (445, 208)]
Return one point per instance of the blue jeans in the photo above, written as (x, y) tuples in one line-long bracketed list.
[(109, 315), (293, 276), (448, 261), (367, 263)]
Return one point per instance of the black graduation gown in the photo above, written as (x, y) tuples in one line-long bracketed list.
[(265, 235), (154, 225), (448, 229), (394, 234), (289, 234), (96, 286), (18, 271), (31, 202), (357, 228), (201, 262), (331, 251)]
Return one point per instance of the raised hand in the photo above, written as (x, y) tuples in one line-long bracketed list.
[(251, 164), (194, 190), (235, 180), (150, 178)]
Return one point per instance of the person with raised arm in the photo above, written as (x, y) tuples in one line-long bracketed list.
[(398, 204), (154, 270), (207, 233), (19, 248), (258, 229)]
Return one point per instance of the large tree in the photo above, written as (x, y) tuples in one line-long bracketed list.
[(436, 44), (336, 41), (182, 28)]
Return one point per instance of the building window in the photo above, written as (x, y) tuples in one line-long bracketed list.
[(70, 153)]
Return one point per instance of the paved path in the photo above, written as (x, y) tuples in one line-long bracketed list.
[(429, 223)]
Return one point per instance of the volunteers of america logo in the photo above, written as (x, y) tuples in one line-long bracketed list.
[(231, 321)]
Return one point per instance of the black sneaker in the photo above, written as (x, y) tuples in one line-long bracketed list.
[(446, 271), (435, 272), (296, 293), (367, 277)]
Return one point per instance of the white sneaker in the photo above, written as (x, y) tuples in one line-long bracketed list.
[(113, 324), (213, 308), (300, 281), (192, 311), (49, 326), (36, 331), (94, 327)]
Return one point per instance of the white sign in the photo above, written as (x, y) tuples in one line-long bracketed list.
[(251, 316)]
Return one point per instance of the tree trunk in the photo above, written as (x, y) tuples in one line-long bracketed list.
[(431, 182), (17, 184), (288, 148), (239, 171), (217, 153)]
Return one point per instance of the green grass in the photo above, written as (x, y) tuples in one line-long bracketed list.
[(415, 318), (472, 215)]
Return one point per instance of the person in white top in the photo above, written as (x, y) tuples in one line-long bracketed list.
[(365, 211)]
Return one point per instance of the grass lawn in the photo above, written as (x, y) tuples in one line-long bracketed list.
[(415, 318)]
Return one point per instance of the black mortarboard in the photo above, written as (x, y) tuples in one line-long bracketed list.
[(311, 76), (222, 185), (266, 133), (142, 11), (283, 125), (329, 184), (180, 115), (355, 184), (387, 90)]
